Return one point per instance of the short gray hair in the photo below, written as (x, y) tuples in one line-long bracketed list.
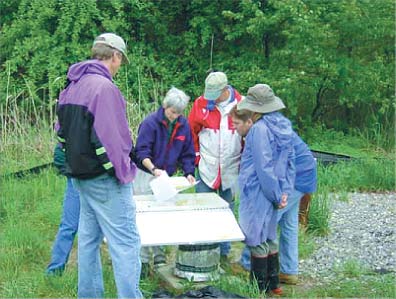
[(177, 99), (102, 52)]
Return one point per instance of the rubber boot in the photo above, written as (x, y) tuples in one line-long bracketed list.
[(258, 271), (273, 275), (304, 210)]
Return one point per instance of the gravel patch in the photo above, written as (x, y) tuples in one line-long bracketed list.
[(362, 232)]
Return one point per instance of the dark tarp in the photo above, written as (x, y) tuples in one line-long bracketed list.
[(206, 292)]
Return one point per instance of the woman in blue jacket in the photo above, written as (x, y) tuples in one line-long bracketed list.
[(305, 183), (266, 181), (164, 143)]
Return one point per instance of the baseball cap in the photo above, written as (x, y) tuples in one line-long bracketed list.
[(260, 98), (214, 85), (113, 41)]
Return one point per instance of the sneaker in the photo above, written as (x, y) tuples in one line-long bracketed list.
[(144, 273), (288, 278)]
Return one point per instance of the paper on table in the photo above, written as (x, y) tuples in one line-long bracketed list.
[(162, 187), (181, 183)]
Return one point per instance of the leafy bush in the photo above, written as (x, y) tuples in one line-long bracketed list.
[(330, 61)]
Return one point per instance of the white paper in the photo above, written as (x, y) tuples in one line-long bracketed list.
[(181, 183), (162, 187), (165, 187)]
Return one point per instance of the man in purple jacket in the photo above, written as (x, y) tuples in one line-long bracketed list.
[(164, 143), (94, 131)]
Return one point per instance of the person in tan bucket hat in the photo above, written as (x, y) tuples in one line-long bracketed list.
[(260, 98), (283, 168)]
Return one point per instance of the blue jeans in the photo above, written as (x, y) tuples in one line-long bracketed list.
[(67, 230), (107, 209), (201, 187), (288, 239)]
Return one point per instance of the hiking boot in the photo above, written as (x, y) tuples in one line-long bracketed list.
[(288, 278)]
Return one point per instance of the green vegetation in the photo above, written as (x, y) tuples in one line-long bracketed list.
[(30, 210), (331, 61), (353, 280)]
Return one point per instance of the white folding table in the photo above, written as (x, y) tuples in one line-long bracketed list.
[(189, 218)]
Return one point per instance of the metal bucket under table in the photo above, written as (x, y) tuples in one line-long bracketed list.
[(198, 262)]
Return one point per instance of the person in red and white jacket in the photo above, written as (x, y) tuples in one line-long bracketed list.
[(217, 144)]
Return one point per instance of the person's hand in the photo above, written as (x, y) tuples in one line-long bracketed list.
[(157, 172), (283, 202), (191, 179)]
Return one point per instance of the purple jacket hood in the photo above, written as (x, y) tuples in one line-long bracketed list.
[(76, 71)]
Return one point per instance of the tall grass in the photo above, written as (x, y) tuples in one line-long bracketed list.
[(364, 174), (358, 144), (26, 132), (319, 214), (32, 209)]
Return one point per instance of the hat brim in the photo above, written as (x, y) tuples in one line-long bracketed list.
[(212, 95), (125, 59), (248, 103)]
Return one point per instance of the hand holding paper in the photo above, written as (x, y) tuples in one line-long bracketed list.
[(162, 188)]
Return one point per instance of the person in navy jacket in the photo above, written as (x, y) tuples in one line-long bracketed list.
[(164, 143)]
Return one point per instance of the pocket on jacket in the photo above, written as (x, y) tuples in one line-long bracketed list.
[(208, 160)]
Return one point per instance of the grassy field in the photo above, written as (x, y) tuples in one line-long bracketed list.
[(30, 210)]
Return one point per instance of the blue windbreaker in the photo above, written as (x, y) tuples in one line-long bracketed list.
[(306, 177), (266, 172)]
